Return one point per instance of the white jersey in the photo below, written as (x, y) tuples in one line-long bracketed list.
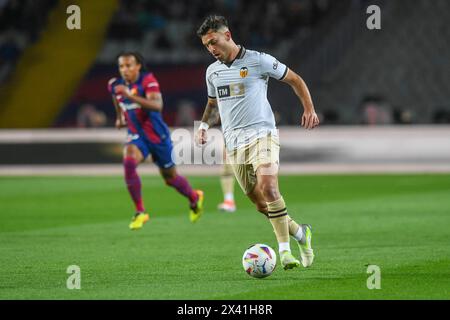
[(241, 92)]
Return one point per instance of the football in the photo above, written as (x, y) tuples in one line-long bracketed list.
[(259, 260)]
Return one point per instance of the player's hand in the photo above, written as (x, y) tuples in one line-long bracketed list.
[(310, 120), (120, 123), (122, 90), (201, 137)]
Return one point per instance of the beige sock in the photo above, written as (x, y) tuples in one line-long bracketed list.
[(293, 226), (227, 180), (279, 219)]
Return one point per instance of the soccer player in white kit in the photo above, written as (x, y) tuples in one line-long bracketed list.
[(237, 92)]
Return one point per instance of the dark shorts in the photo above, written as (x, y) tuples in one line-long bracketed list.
[(161, 152)]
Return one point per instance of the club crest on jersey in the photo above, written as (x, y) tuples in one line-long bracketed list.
[(134, 91), (243, 72)]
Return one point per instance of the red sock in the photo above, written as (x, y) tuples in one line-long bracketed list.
[(182, 185), (133, 182)]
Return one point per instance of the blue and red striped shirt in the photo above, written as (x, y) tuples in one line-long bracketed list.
[(141, 121)]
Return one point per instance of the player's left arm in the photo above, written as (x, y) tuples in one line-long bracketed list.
[(153, 100), (310, 119)]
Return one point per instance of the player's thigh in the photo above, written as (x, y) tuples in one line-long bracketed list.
[(265, 157), (132, 151), (245, 176), (162, 156), (242, 169)]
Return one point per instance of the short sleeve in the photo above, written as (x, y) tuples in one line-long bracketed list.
[(150, 84), (210, 86), (271, 67), (111, 84)]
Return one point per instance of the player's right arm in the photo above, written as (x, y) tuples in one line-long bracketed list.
[(120, 119), (210, 117), (211, 113)]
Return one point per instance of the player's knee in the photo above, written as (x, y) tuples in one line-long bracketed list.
[(168, 176), (270, 191), (262, 207), (131, 151), (168, 180)]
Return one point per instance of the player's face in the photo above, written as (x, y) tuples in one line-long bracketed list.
[(218, 44), (129, 68)]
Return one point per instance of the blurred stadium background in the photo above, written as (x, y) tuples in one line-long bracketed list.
[(382, 95)]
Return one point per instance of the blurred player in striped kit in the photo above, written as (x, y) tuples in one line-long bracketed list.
[(227, 185), (138, 101), (237, 94)]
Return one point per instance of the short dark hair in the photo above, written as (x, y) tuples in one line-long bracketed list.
[(213, 23), (137, 56)]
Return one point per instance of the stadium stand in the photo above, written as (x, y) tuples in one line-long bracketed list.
[(21, 23), (398, 74), (51, 68), (406, 63), (164, 31)]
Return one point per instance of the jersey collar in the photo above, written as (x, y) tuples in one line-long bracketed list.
[(138, 80), (240, 55)]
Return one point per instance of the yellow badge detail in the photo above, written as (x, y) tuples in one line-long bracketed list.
[(243, 72), (134, 91)]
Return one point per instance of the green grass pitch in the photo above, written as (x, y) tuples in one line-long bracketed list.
[(400, 223)]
